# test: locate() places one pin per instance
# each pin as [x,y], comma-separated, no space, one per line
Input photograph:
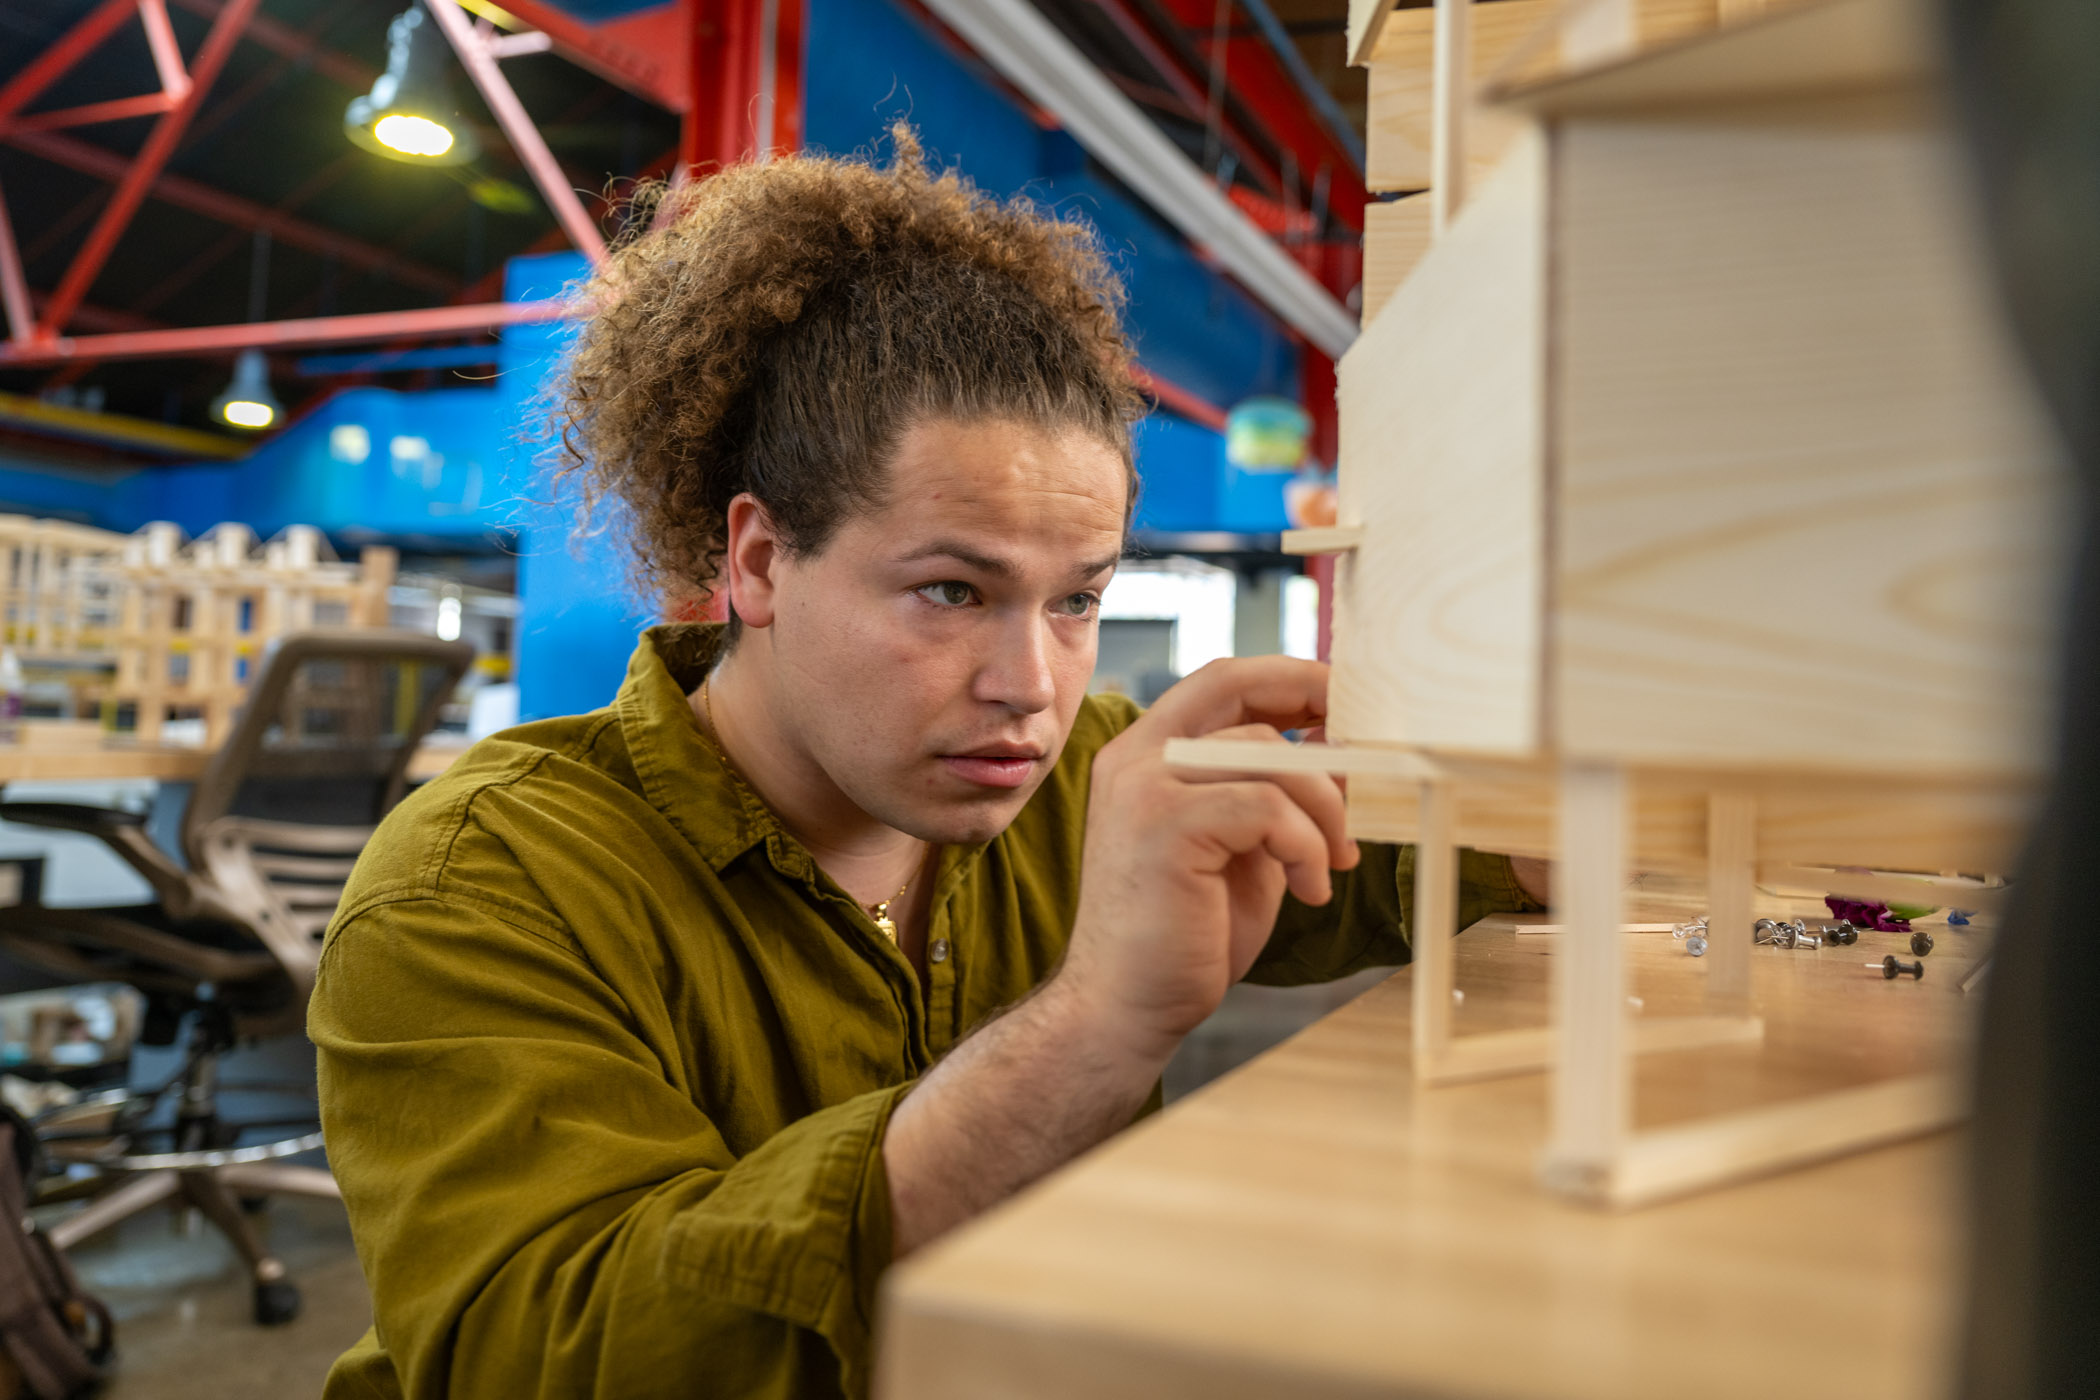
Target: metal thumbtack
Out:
[1765,931]
[1840,934]
[1694,936]
[1893,967]
[1920,942]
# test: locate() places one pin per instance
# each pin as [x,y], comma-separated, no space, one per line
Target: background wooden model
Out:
[1696,519]
[177,628]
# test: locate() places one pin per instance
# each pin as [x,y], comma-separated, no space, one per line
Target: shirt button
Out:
[938,951]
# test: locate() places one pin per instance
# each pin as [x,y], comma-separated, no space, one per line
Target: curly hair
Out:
[786,323]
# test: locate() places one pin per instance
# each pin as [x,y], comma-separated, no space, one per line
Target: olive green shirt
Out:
[606,1060]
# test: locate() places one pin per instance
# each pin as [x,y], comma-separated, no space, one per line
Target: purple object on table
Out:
[1864,913]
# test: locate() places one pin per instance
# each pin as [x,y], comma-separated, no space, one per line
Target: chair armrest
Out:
[71,816]
[125,834]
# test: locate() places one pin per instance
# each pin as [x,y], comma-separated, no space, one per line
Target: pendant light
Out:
[409,114]
[248,402]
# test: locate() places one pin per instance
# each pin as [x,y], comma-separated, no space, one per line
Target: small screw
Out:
[1893,967]
[1920,942]
[1695,944]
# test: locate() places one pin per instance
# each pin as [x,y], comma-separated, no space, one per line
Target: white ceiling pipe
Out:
[1014,38]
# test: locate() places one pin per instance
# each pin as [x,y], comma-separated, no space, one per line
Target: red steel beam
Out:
[282,335]
[55,62]
[185,193]
[518,125]
[167,54]
[14,290]
[286,42]
[116,109]
[131,190]
[601,49]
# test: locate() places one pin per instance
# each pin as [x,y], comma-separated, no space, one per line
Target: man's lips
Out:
[996,768]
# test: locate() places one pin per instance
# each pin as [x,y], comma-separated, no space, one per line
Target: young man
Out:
[649,1037]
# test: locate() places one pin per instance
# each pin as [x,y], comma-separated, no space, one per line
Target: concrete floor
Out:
[182,1306]
[181,1302]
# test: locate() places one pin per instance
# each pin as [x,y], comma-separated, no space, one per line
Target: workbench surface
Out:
[1313,1225]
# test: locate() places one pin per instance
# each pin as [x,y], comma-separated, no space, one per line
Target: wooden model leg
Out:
[1731,860]
[1593,1080]
[1452,94]
[1436,920]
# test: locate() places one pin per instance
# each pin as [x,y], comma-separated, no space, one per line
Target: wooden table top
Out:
[115,760]
[1315,1226]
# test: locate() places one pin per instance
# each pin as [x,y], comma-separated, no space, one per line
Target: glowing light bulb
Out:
[245,413]
[414,136]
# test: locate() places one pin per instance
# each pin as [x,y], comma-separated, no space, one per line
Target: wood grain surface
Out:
[1437,633]
[1316,1226]
[1807,511]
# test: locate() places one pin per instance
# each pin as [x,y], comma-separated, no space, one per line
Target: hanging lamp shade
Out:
[409,113]
[248,402]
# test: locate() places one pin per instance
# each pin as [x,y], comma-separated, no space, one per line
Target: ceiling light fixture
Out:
[248,402]
[409,114]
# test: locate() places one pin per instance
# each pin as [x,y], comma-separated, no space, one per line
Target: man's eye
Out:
[949,594]
[1080,605]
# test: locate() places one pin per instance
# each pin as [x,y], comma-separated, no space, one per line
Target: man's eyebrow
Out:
[991,564]
[962,554]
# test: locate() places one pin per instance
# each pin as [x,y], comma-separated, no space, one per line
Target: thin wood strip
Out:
[1669,1162]
[1256,756]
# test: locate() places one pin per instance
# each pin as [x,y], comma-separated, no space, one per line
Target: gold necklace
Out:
[880,913]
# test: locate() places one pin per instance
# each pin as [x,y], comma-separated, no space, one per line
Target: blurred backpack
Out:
[54,1337]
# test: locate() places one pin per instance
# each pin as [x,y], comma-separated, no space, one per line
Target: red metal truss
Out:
[517,124]
[131,190]
[202,199]
[58,60]
[281,335]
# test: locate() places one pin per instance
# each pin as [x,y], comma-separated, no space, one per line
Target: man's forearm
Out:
[1022,1096]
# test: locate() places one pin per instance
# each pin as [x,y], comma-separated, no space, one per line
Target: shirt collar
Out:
[687,778]
[682,773]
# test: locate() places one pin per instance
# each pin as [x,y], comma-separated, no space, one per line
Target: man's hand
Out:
[1184,871]
[1183,876]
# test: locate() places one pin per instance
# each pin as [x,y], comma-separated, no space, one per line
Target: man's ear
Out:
[751,561]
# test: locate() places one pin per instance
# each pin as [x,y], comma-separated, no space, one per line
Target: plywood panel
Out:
[1398,132]
[1437,629]
[1397,137]
[1806,502]
[1396,235]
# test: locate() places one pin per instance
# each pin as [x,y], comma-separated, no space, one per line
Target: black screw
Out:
[1893,967]
[1920,942]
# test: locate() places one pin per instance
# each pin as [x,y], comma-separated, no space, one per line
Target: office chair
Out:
[230,944]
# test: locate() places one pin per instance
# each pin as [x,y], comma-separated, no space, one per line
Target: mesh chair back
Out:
[318,756]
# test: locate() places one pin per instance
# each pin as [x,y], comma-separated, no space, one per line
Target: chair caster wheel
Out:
[276,1303]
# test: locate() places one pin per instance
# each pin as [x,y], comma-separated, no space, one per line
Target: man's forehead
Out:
[1003,483]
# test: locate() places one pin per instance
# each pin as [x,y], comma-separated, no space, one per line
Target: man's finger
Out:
[1319,794]
[1242,819]
[1281,691]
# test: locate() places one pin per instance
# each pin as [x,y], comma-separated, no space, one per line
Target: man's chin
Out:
[960,823]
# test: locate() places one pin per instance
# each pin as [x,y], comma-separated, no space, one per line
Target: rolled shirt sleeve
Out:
[541,1210]
[1370,920]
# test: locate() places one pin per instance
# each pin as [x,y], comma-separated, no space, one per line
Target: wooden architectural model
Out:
[1694,518]
[161,628]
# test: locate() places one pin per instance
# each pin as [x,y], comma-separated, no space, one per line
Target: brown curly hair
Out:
[784,325]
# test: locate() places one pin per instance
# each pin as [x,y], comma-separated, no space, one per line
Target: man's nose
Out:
[1018,674]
